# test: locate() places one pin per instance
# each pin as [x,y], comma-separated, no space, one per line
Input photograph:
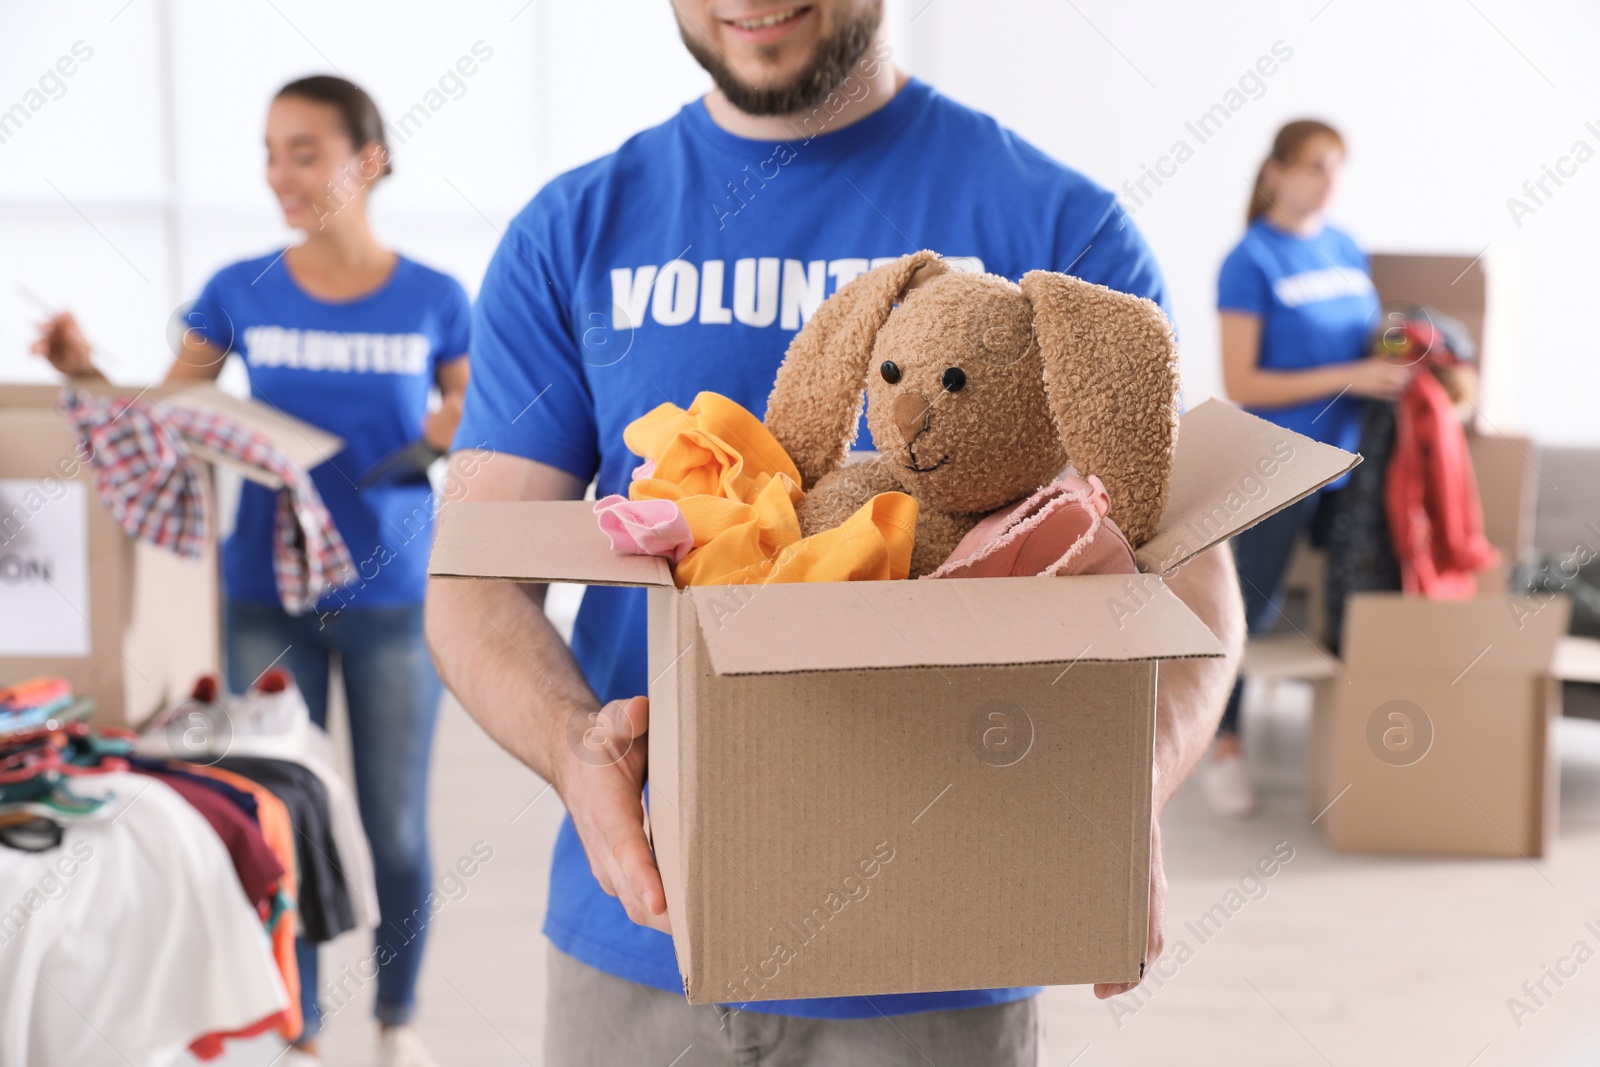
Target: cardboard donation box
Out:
[128,624]
[1430,735]
[904,786]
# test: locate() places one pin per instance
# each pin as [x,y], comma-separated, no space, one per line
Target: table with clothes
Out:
[153,886]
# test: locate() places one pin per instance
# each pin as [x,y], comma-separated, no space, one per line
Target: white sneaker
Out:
[273,706]
[401,1046]
[1226,783]
[299,1057]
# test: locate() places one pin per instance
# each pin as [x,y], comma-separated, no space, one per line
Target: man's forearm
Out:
[1191,693]
[502,658]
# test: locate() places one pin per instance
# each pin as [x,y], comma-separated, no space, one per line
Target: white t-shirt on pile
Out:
[134,937]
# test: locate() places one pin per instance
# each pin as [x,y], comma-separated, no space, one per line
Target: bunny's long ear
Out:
[815,407]
[1111,375]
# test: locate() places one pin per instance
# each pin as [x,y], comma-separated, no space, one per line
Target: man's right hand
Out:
[601,781]
[62,342]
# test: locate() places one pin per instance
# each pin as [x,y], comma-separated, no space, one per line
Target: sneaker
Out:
[204,699]
[1226,782]
[401,1046]
[299,1057]
[197,728]
[272,706]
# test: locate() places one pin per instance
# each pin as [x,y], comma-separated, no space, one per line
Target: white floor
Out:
[1344,960]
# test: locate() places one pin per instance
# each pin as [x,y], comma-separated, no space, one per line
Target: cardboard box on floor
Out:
[127,623]
[895,787]
[1431,734]
[1410,783]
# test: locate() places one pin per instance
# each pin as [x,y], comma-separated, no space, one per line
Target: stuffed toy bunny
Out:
[979,391]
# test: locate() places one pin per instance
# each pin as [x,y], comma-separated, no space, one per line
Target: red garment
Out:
[1431,498]
[254,861]
[210,1046]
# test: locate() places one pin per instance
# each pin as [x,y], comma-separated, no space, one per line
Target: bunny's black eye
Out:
[954,380]
[890,371]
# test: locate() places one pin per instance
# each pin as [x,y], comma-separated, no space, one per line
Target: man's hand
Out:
[601,781]
[1157,940]
[1189,702]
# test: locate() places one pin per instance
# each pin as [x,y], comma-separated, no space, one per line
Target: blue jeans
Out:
[393,694]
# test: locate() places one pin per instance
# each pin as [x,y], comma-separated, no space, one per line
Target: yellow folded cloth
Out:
[738,490]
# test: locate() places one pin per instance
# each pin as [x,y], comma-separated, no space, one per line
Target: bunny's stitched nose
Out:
[911,415]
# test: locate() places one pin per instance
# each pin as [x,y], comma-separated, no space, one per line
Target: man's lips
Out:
[768,27]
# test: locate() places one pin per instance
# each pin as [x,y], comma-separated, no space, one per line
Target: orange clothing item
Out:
[738,489]
[278,832]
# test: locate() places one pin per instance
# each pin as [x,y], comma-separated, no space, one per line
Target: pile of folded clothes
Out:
[39,701]
[211,841]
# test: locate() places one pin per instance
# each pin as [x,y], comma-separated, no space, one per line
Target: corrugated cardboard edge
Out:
[1214,498]
[957,622]
[673,668]
[535,541]
[1142,704]
[1546,809]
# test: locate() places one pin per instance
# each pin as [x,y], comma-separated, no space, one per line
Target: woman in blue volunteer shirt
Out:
[351,337]
[1297,308]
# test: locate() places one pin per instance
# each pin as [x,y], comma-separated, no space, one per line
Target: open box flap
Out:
[535,541]
[1462,638]
[304,444]
[958,622]
[1232,469]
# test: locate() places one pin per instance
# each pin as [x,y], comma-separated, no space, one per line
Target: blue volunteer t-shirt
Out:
[360,369]
[1317,306]
[687,260]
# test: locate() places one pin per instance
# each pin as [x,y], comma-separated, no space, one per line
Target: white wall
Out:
[1448,105]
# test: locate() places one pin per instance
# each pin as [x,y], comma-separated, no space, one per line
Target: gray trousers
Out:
[594,1019]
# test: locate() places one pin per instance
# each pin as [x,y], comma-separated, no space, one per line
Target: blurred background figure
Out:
[350,336]
[1297,308]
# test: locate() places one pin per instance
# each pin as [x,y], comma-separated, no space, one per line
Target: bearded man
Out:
[687,260]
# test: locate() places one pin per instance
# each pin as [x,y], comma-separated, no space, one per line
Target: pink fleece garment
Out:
[645,527]
[1061,529]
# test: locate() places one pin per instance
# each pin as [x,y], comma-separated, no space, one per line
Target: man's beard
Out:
[827,69]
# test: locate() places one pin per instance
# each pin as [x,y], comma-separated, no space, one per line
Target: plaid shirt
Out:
[155,489]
